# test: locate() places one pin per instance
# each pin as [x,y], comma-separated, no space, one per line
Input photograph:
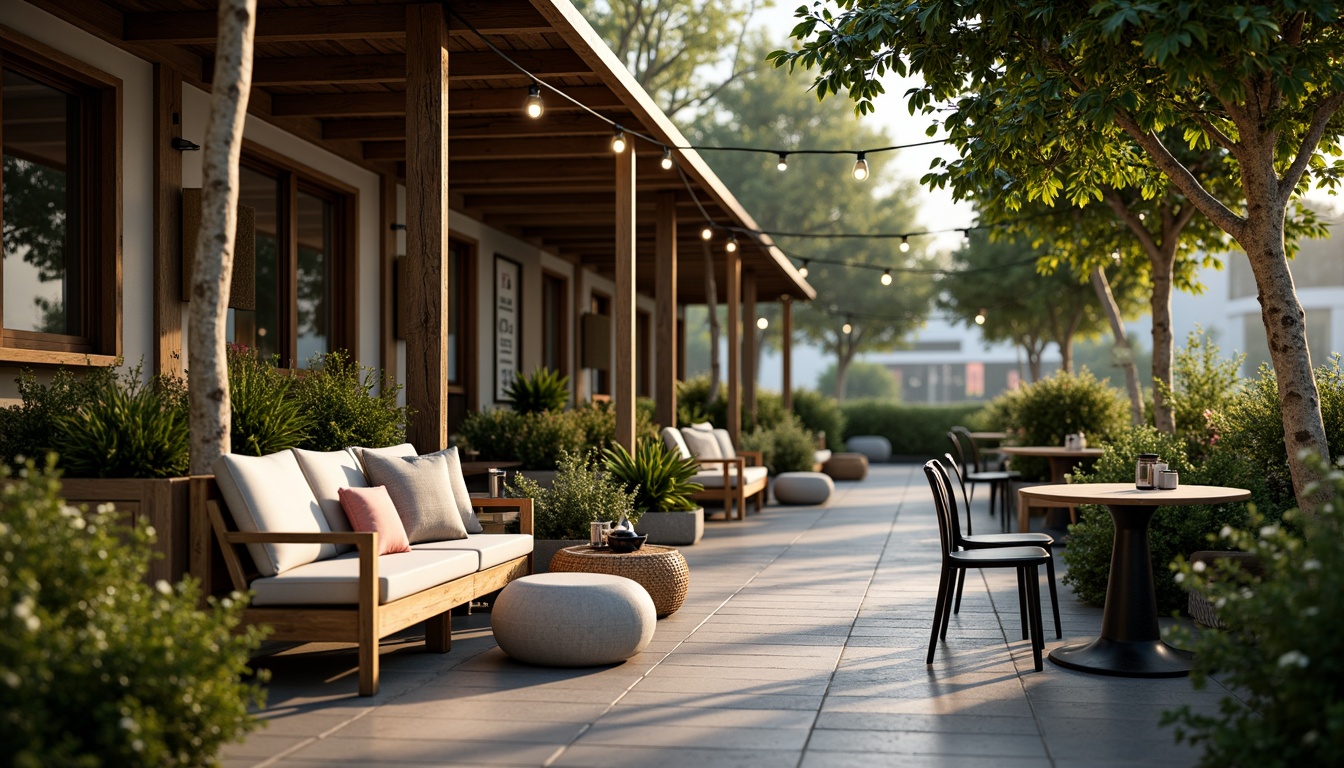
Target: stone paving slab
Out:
[801,644]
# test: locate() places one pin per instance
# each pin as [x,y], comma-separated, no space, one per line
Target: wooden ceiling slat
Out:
[339,104]
[303,70]
[597,148]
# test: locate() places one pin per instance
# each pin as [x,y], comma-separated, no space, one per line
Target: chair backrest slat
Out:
[951,462]
[972,450]
[940,504]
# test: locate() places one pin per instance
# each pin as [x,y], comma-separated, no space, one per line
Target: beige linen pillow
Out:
[421,492]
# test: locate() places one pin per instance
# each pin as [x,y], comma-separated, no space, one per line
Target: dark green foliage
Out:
[1174,531]
[693,406]
[820,413]
[98,668]
[579,495]
[1251,425]
[1044,412]
[863,380]
[544,390]
[28,430]
[126,428]
[1206,383]
[536,439]
[264,417]
[1283,652]
[345,406]
[786,447]
[918,431]
[659,477]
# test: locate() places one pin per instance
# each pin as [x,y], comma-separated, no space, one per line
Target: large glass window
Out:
[600,304]
[53,160]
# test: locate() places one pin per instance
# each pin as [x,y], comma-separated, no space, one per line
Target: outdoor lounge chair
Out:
[736,477]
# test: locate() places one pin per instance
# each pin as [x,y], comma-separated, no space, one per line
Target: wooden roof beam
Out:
[469,127]
[335,70]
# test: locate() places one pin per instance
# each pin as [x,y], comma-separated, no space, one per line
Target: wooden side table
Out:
[662,571]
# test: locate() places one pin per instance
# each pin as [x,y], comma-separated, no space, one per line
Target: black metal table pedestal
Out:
[1131,642]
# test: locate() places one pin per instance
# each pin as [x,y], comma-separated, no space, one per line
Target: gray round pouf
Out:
[803,488]
[876,447]
[573,619]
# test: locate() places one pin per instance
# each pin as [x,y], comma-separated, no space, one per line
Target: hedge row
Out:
[915,431]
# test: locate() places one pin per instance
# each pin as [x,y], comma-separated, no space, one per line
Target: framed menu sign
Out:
[508,278]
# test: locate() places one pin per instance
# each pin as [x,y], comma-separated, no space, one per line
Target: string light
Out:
[802,271]
[533,105]
[762,323]
[667,159]
[707,233]
[731,247]
[861,168]
[847,328]
[980,317]
[1115,256]
[965,238]
[905,243]
[783,163]
[886,277]
[618,141]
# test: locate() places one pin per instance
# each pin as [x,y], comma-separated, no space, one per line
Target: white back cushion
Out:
[702,443]
[672,439]
[725,444]
[404,449]
[328,472]
[268,494]
[703,426]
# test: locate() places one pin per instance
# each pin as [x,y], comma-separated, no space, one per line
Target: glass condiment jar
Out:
[1145,471]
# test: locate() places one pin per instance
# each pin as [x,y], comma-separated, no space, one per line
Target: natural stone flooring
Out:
[801,644]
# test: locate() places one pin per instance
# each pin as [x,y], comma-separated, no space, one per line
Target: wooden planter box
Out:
[164,504]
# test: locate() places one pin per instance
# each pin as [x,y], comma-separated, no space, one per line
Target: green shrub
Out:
[579,495]
[1283,651]
[1044,412]
[126,428]
[1206,382]
[863,381]
[28,430]
[1174,531]
[97,667]
[914,430]
[596,426]
[538,440]
[265,418]
[544,390]
[693,405]
[658,476]
[787,447]
[346,405]
[820,413]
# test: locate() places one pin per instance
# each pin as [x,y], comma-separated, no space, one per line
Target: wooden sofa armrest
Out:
[728,464]
[757,458]
[524,507]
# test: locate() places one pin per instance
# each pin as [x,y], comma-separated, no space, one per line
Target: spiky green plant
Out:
[545,390]
[660,478]
[126,428]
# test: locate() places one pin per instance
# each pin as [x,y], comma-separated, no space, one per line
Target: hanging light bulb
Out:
[802,271]
[762,323]
[886,277]
[1115,256]
[667,159]
[731,247]
[783,163]
[533,105]
[707,233]
[965,238]
[905,243]
[861,168]
[847,328]
[618,141]
[980,317]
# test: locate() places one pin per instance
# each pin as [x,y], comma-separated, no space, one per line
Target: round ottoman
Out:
[876,447]
[847,466]
[661,571]
[803,488]
[572,619]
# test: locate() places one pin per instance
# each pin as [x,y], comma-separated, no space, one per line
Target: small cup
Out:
[1168,480]
[1158,469]
[598,530]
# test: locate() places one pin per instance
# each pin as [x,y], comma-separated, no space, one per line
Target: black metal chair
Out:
[995,540]
[1026,560]
[999,482]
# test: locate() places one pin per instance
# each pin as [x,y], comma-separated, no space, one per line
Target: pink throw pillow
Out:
[371,509]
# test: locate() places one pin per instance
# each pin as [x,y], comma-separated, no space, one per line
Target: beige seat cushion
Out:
[492,548]
[270,494]
[713,478]
[328,472]
[336,581]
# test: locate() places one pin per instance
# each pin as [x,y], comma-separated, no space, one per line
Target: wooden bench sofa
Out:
[730,476]
[355,596]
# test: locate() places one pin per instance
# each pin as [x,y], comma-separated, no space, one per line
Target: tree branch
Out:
[1117,204]
[1310,141]
[1219,138]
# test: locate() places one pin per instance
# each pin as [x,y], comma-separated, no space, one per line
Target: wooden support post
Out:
[387,287]
[786,348]
[167,221]
[623,395]
[734,287]
[750,355]
[427,226]
[665,366]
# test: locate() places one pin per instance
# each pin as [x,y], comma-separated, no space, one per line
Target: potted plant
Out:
[662,483]
[579,496]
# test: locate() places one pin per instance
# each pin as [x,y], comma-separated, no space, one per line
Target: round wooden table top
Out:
[1125,494]
[1048,451]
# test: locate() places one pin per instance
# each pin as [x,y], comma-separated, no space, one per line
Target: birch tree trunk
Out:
[207,372]
[712,303]
[1103,288]
[1163,262]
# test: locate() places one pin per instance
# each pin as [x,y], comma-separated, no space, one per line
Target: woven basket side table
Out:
[662,571]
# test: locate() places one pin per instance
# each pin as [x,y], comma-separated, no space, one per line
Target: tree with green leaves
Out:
[1125,80]
[864,380]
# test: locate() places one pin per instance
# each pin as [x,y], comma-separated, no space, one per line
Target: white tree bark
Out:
[207,372]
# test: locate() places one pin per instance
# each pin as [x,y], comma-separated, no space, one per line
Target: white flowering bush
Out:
[97,668]
[1283,651]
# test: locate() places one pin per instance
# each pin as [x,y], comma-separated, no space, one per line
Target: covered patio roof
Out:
[334,72]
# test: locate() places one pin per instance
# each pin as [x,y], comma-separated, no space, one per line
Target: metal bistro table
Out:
[1062,461]
[1131,643]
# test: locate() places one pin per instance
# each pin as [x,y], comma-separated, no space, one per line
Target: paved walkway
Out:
[801,643]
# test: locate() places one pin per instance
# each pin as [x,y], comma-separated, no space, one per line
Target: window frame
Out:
[559,319]
[98,134]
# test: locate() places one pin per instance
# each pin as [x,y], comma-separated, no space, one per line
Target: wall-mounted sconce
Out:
[397,227]
[184,145]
